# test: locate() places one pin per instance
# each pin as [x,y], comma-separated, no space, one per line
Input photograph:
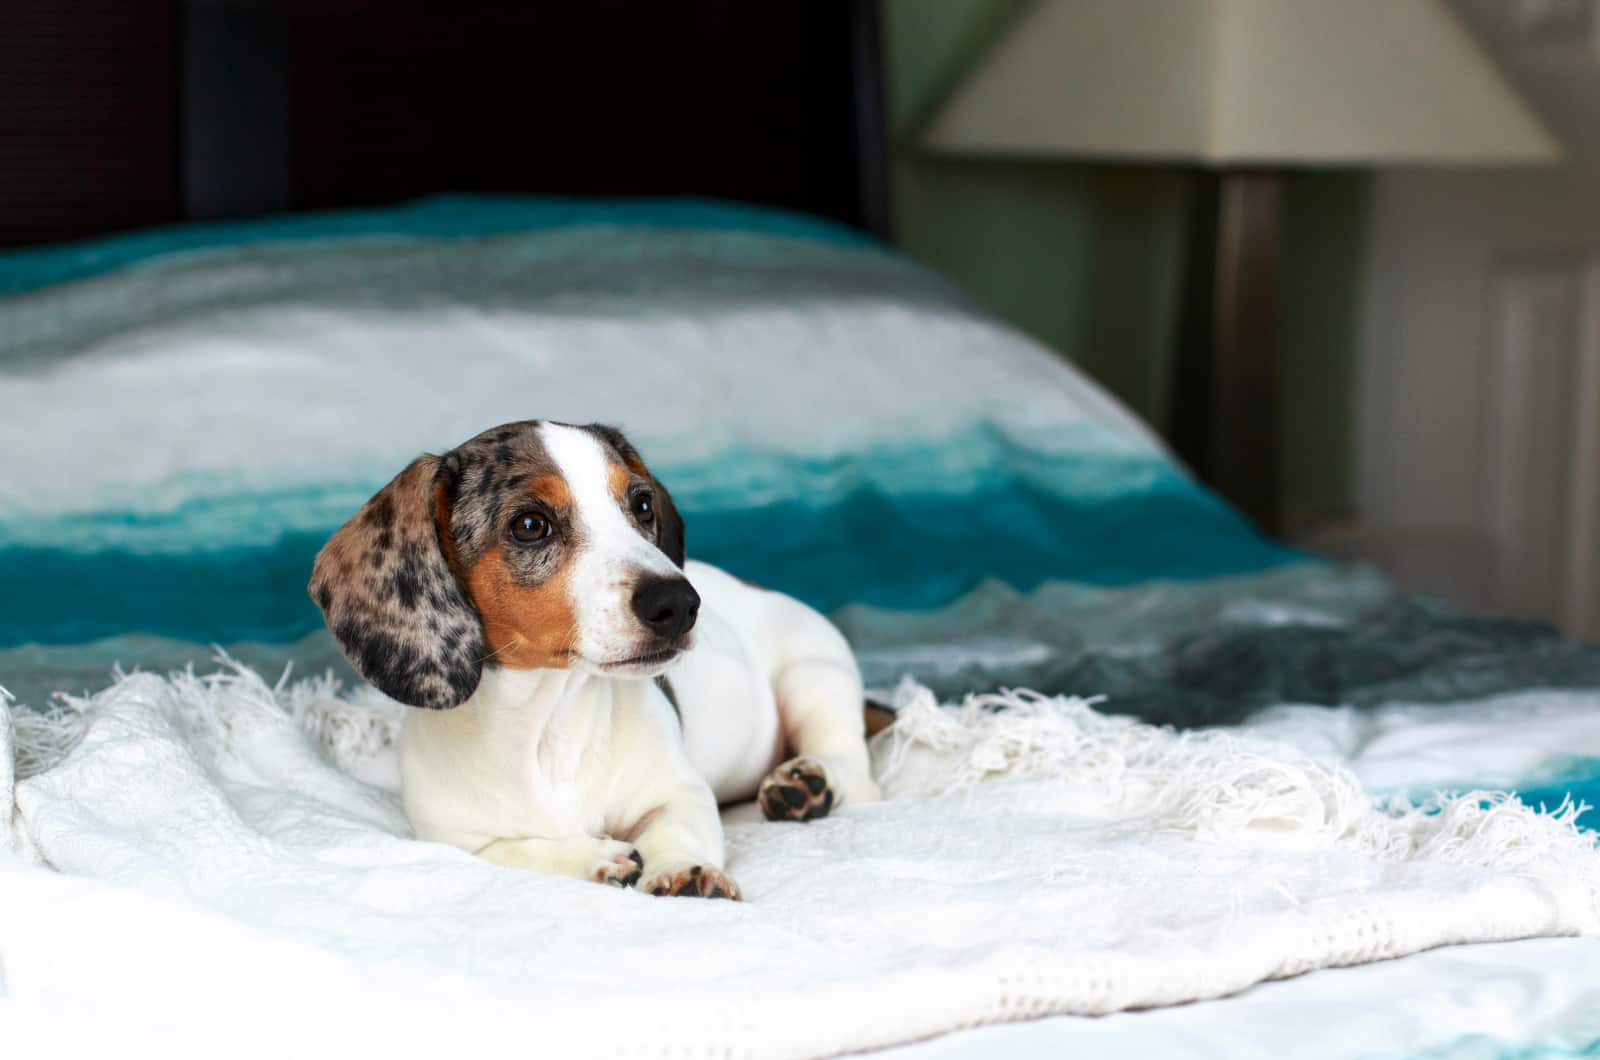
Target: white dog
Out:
[586,698]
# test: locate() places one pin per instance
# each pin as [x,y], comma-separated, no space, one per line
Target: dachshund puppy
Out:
[584,697]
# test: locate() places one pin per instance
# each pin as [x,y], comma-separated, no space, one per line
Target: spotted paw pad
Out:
[623,870]
[697,881]
[798,790]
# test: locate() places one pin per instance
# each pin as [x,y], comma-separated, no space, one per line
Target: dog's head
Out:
[533,546]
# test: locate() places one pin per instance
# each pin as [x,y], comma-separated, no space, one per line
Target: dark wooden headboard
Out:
[117,114]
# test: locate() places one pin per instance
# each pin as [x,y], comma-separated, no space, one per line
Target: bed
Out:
[833,421]
[1239,776]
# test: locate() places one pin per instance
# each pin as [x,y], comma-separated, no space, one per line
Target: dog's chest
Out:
[561,761]
[512,763]
[730,720]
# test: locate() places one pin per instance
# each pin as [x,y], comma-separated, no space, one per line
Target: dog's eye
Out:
[643,506]
[530,527]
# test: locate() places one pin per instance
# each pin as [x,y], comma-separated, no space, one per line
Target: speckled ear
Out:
[388,593]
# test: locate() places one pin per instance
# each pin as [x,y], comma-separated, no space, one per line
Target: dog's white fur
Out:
[570,771]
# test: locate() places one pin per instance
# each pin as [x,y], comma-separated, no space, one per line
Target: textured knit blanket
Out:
[217,866]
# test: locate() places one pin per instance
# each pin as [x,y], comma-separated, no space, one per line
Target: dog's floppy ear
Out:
[671,536]
[388,593]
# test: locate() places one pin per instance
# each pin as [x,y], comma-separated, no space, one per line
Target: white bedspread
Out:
[234,878]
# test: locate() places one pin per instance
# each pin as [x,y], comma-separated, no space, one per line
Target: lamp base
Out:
[1224,421]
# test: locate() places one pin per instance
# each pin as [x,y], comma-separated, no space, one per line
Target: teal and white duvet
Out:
[187,429]
[187,415]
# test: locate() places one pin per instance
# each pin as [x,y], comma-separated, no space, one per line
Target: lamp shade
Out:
[1241,82]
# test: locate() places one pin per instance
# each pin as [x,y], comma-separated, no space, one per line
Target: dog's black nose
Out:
[667,606]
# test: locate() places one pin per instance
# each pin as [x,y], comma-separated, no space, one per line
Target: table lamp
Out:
[1242,89]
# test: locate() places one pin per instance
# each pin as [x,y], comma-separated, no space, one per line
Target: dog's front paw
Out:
[696,881]
[798,790]
[618,864]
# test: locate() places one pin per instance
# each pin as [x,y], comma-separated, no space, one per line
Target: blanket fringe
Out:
[1217,784]
[1214,784]
[349,730]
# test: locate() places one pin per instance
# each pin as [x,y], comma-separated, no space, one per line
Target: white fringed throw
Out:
[234,878]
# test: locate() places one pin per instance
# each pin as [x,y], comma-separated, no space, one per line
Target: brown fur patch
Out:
[878,718]
[525,627]
[618,477]
[553,490]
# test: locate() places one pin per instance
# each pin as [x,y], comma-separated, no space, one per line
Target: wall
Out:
[1088,258]
[1480,335]
[1082,257]
[236,131]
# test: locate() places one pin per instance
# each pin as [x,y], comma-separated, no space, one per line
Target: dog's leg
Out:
[681,840]
[597,858]
[820,707]
[659,803]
